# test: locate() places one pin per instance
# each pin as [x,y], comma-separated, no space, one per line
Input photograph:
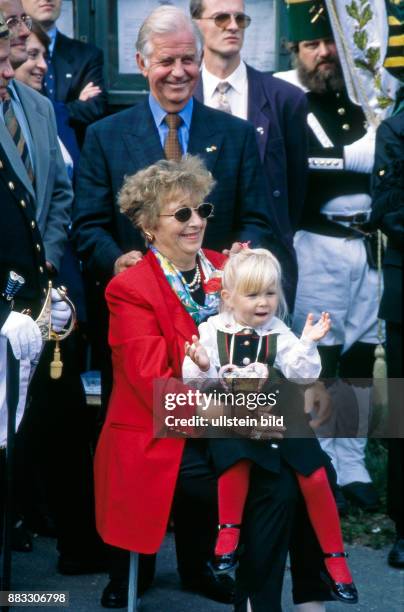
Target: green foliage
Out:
[373,55]
[360,39]
[384,101]
[353,10]
[365,17]
[363,65]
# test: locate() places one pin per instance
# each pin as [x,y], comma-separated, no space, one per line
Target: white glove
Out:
[23,334]
[360,155]
[60,311]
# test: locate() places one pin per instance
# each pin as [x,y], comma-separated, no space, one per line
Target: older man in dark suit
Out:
[276,109]
[168,124]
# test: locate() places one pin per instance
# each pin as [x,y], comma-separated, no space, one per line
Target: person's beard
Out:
[321,81]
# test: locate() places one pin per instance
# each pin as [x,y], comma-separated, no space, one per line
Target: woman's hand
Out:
[126,261]
[316,331]
[89,91]
[198,354]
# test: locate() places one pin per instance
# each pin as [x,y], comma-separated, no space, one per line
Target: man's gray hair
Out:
[166,19]
[196,8]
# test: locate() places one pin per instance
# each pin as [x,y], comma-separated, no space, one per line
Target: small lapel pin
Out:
[211,149]
[260,130]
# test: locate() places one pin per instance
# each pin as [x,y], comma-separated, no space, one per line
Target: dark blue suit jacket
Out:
[278,112]
[124,143]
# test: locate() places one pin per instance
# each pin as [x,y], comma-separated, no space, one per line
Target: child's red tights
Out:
[232,492]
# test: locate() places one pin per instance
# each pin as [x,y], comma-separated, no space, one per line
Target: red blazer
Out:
[135,474]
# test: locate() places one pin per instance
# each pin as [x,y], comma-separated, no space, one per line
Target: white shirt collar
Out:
[237,79]
[225,322]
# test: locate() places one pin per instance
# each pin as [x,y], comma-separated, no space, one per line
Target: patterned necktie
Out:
[16,134]
[49,82]
[223,102]
[172,147]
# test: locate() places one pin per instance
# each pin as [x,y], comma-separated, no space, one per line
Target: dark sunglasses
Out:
[222,20]
[184,214]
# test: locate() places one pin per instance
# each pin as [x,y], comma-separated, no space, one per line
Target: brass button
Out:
[247,332]
[341,111]
[45,292]
[346,127]
[38,247]
[382,172]
[41,269]
[246,361]
[1,164]
[23,204]
[11,185]
[33,224]
[246,343]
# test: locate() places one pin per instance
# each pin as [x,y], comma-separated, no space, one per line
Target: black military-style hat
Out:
[308,20]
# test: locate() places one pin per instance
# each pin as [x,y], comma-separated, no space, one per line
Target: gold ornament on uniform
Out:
[318,12]
[44,322]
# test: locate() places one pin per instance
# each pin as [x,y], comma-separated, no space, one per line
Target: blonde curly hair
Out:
[144,194]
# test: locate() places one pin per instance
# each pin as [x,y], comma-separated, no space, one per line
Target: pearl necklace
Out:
[195,282]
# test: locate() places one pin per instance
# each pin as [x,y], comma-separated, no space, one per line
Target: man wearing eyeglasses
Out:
[277,110]
[42,171]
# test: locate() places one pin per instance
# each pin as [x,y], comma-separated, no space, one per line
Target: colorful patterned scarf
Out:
[179,286]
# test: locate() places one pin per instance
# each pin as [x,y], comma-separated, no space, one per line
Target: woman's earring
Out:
[149,236]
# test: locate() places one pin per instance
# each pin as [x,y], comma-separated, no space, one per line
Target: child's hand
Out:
[316,331]
[198,354]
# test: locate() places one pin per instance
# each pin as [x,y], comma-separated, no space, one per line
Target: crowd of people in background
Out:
[217,160]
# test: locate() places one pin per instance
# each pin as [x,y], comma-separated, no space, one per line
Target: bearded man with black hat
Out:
[334,253]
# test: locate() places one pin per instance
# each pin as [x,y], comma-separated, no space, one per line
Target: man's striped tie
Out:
[15,130]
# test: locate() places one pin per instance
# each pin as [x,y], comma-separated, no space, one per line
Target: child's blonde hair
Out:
[251,271]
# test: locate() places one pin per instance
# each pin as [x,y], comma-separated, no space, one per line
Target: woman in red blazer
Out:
[155,307]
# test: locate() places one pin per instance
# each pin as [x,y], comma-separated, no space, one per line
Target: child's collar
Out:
[226,323]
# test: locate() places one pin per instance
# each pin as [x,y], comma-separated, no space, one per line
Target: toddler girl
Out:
[247,335]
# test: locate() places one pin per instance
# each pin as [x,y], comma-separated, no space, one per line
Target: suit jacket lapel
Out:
[63,64]
[258,110]
[198,92]
[14,157]
[206,134]
[142,138]
[39,128]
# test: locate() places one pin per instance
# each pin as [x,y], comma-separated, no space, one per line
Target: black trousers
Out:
[55,458]
[395,470]
[267,524]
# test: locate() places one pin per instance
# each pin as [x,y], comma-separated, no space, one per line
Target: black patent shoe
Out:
[341,591]
[21,540]
[228,562]
[115,595]
[213,586]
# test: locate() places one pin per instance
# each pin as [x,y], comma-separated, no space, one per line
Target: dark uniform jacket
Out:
[388,211]
[21,248]
[343,123]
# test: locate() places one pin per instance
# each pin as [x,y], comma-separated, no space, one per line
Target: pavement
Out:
[381,588]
